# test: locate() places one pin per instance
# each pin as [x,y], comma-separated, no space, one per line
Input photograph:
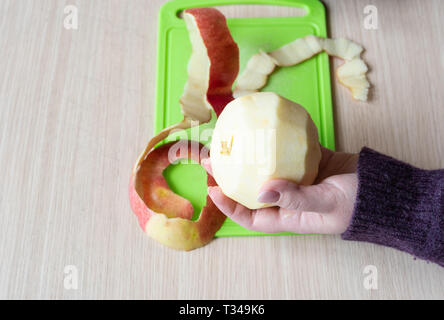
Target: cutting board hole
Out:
[257,11]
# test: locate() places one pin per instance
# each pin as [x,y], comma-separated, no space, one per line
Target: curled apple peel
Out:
[342,48]
[352,74]
[164,215]
[212,69]
[213,65]
[302,49]
[297,51]
[258,68]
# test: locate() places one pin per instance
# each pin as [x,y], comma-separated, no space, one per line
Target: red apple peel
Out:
[164,215]
[213,67]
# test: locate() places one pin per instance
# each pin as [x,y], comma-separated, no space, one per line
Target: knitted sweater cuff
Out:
[399,206]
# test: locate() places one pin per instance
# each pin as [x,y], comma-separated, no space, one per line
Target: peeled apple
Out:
[259,137]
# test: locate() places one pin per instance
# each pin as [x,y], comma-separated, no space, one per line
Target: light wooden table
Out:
[77,108]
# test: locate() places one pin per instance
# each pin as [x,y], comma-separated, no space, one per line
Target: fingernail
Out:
[269,197]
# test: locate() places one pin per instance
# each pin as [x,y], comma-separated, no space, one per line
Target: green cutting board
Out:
[307,83]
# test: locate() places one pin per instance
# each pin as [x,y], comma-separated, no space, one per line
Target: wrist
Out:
[398,205]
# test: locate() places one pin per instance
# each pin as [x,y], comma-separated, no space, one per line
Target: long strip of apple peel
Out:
[352,74]
[186,123]
[297,51]
[165,216]
[261,65]
[342,48]
[255,75]
[194,101]
[212,69]
[213,66]
[300,50]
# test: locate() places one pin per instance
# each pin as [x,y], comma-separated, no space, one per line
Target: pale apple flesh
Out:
[253,79]
[260,137]
[297,51]
[255,75]
[342,48]
[352,74]
[213,67]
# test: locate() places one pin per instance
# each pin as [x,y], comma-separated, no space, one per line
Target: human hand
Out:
[324,207]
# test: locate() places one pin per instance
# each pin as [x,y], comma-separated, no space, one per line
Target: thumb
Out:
[288,195]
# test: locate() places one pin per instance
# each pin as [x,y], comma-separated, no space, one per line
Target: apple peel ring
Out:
[352,74]
[164,215]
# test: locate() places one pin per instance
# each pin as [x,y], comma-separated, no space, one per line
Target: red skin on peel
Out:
[224,64]
[162,214]
[156,197]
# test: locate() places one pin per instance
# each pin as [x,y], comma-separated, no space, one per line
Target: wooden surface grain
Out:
[77,108]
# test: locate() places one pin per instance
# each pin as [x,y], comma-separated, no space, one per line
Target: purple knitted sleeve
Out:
[399,206]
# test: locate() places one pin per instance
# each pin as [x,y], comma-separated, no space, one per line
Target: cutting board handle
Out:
[311,7]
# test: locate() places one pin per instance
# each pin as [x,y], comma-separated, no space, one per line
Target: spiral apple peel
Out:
[213,67]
